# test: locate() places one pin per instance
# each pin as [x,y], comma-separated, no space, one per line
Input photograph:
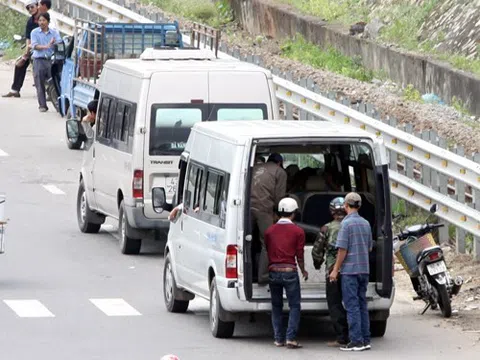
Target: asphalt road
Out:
[66,295]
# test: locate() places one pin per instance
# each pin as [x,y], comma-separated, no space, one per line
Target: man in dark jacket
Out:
[21,71]
[269,186]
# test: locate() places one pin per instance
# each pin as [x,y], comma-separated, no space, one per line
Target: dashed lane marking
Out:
[115,307]
[3,153]
[53,189]
[28,308]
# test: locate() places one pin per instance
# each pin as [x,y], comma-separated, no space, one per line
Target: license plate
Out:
[171,185]
[436,268]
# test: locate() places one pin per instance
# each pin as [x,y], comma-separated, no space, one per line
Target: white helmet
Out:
[170,357]
[287,205]
[31,2]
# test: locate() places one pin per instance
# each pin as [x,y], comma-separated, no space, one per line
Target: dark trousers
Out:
[41,73]
[291,283]
[19,76]
[336,309]
[263,221]
[354,292]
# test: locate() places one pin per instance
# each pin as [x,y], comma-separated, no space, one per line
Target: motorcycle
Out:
[53,83]
[425,263]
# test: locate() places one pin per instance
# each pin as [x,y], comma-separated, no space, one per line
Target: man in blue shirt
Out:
[354,243]
[43,43]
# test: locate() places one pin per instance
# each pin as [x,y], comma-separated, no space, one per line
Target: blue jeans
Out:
[291,283]
[354,293]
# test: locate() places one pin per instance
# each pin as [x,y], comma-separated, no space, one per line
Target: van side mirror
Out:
[73,130]
[434,208]
[159,200]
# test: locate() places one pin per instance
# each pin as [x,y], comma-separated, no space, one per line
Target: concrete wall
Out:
[267,18]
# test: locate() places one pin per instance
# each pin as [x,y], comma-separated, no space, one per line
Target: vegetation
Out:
[214,13]
[328,59]
[412,94]
[403,21]
[12,23]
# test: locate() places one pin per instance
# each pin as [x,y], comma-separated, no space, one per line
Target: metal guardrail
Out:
[400,143]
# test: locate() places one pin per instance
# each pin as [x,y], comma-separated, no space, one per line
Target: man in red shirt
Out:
[285,244]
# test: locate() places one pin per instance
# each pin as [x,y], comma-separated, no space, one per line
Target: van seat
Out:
[316,208]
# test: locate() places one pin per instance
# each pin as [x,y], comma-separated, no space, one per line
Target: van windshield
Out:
[171,123]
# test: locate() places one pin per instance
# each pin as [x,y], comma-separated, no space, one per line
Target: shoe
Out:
[367,345]
[43,109]
[336,343]
[14,94]
[293,344]
[351,346]
[278,343]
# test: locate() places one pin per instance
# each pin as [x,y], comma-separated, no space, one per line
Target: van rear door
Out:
[171,112]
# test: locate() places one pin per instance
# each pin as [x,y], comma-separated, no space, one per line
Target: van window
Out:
[239,114]
[213,189]
[103,118]
[193,189]
[119,122]
[170,128]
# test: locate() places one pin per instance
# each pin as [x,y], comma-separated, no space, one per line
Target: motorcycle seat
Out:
[427,251]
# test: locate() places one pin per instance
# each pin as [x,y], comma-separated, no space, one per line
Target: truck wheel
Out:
[128,245]
[378,328]
[84,214]
[73,145]
[219,328]
[169,288]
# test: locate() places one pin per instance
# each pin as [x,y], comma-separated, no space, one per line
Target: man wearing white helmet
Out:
[285,242]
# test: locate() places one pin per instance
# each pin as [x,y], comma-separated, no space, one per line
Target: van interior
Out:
[316,175]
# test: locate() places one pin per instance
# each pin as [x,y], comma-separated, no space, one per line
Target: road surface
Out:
[67,295]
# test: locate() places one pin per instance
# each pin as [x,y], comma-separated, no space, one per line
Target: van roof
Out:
[145,68]
[239,131]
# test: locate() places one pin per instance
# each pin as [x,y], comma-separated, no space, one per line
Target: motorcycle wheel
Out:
[52,93]
[444,301]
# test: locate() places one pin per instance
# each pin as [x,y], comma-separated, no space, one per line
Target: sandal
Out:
[293,345]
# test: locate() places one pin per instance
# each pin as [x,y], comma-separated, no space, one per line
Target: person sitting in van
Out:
[92,112]
[324,248]
[269,185]
[285,244]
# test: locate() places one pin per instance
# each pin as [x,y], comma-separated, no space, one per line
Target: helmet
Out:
[31,2]
[170,357]
[287,205]
[336,206]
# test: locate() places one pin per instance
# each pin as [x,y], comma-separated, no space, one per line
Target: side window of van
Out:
[103,117]
[213,188]
[119,121]
[193,189]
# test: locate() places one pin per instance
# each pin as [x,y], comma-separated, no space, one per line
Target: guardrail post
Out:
[460,197]
[476,248]
[288,107]
[408,162]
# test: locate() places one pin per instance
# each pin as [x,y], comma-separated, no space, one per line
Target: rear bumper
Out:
[137,220]
[378,307]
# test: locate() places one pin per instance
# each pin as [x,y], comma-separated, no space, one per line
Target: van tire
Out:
[170,288]
[128,245]
[220,329]
[84,214]
[378,328]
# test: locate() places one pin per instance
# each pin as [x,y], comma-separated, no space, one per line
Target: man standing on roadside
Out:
[44,6]
[43,41]
[269,186]
[354,243]
[21,71]
[285,244]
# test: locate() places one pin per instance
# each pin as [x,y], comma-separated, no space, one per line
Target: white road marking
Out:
[3,153]
[29,308]
[115,307]
[53,189]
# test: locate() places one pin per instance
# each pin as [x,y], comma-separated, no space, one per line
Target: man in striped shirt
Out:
[354,242]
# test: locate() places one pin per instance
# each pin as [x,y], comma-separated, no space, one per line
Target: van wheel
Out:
[84,214]
[72,145]
[219,328]
[128,245]
[378,328]
[169,289]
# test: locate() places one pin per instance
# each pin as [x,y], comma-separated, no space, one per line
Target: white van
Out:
[211,249]
[146,109]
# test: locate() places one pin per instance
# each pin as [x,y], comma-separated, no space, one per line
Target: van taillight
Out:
[231,262]
[137,184]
